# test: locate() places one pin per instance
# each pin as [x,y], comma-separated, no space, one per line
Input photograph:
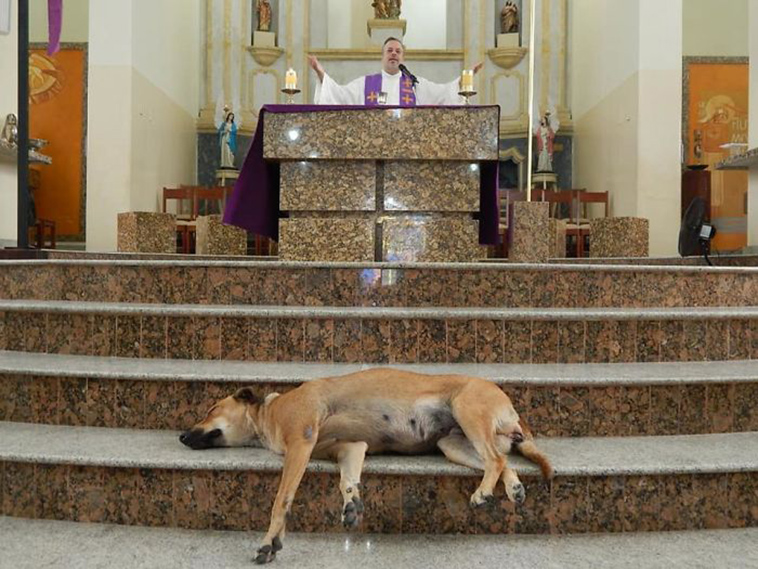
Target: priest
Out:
[395,85]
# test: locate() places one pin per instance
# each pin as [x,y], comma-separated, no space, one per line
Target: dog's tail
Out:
[529,450]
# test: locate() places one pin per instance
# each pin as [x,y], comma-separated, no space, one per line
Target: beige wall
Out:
[142,105]
[715,28]
[626,100]
[164,143]
[660,127]
[604,49]
[166,48]
[109,102]
[8,104]
[752,199]
[605,148]
[75,27]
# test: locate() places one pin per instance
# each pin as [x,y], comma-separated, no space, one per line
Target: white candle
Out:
[467,80]
[290,79]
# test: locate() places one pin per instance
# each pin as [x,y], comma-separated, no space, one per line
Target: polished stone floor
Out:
[33,544]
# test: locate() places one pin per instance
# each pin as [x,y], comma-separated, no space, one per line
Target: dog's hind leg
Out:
[458,449]
[350,457]
[295,461]
[475,417]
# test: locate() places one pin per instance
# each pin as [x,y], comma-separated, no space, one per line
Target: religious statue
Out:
[381,9]
[227,137]
[263,7]
[9,134]
[394,6]
[387,9]
[509,18]
[545,134]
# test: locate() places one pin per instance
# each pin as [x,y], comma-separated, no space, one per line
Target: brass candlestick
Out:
[290,95]
[466,95]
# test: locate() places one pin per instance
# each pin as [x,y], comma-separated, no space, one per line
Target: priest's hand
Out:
[477,67]
[316,66]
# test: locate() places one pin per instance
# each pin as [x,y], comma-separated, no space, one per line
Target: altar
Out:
[372,184]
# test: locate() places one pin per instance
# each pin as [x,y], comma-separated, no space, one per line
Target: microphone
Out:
[405,71]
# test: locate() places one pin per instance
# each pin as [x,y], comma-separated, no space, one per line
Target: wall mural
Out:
[57,94]
[716,124]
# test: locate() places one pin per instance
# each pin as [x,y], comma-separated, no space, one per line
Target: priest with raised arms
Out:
[394,86]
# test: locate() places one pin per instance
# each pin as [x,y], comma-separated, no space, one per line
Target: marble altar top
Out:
[386,133]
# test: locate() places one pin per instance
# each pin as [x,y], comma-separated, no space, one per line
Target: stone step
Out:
[555,399]
[330,334]
[601,485]
[45,543]
[377,284]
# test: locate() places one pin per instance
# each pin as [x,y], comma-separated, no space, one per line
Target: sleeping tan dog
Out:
[469,419]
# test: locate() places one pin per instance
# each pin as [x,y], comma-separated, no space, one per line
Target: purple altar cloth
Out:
[254,203]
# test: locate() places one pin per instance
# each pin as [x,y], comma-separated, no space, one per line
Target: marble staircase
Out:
[639,380]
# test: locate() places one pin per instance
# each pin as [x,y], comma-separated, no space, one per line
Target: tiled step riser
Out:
[549,410]
[352,340]
[314,286]
[241,500]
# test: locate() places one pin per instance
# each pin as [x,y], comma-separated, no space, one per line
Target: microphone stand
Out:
[405,71]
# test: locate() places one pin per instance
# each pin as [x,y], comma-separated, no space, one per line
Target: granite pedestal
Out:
[558,238]
[532,239]
[619,237]
[217,238]
[146,232]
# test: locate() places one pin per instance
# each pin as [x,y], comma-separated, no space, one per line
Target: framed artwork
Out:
[5,16]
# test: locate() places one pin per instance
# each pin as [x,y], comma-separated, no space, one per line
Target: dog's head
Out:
[229,423]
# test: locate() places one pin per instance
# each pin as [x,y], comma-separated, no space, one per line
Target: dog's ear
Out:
[246,395]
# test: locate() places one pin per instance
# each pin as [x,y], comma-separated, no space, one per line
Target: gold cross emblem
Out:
[372,96]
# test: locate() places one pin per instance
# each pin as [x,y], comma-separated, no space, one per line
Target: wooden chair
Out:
[566,198]
[206,197]
[183,195]
[202,197]
[583,219]
[38,230]
[502,228]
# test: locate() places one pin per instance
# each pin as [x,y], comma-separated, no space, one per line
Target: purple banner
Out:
[54,22]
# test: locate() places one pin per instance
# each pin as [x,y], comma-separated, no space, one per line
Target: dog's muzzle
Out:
[198,440]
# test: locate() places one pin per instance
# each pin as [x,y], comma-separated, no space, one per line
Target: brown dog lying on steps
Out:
[469,419]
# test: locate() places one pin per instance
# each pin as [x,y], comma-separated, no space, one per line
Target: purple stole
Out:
[373,86]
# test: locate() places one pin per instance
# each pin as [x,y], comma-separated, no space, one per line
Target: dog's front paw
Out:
[266,554]
[479,499]
[516,493]
[352,515]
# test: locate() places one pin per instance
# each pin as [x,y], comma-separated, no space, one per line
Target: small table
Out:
[545,179]
[225,174]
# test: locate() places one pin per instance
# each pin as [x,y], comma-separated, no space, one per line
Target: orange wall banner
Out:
[57,93]
[717,114]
